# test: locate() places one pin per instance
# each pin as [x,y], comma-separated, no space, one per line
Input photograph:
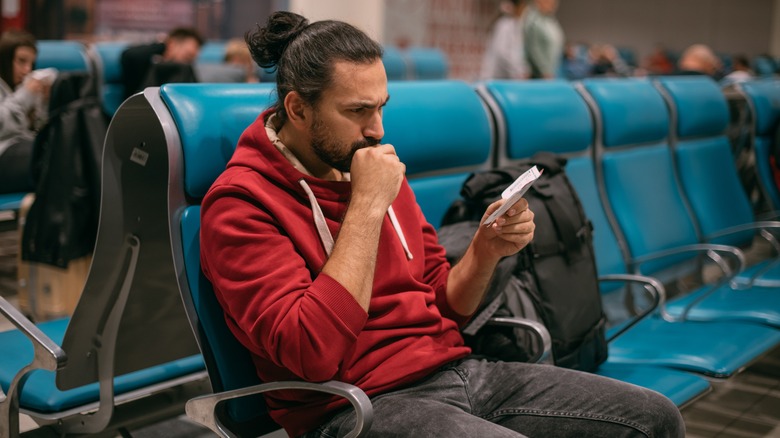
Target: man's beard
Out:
[332,152]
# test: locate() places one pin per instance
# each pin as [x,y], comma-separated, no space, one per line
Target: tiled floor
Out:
[745,406]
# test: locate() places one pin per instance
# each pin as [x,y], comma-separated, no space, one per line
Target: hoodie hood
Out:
[260,150]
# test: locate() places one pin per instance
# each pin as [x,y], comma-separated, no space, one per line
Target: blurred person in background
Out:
[505,54]
[699,59]
[178,52]
[658,62]
[740,70]
[544,39]
[23,100]
[237,54]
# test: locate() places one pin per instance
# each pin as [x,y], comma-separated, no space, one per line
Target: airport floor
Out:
[745,406]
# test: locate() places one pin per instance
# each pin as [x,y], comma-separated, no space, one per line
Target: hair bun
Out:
[268,43]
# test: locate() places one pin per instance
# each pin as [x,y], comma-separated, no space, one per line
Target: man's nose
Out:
[375,129]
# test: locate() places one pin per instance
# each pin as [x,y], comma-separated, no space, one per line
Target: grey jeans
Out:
[479,398]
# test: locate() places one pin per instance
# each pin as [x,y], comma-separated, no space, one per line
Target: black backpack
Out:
[553,280]
[62,222]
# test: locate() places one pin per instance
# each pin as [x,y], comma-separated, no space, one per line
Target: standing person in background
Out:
[22,109]
[544,39]
[505,54]
[181,46]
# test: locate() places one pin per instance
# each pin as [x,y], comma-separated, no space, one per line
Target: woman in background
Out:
[22,109]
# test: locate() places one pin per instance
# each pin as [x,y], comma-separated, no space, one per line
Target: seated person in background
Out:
[606,61]
[237,54]
[740,70]
[175,57]
[327,269]
[699,59]
[658,62]
[23,109]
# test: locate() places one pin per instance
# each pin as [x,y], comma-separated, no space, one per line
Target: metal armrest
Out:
[764,228]
[535,327]
[712,250]
[47,356]
[767,230]
[652,286]
[203,409]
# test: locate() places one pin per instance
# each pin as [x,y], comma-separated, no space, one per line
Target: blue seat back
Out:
[108,56]
[395,64]
[635,166]
[62,55]
[427,63]
[213,117]
[443,132]
[763,97]
[535,116]
[209,120]
[212,52]
[551,116]
[705,163]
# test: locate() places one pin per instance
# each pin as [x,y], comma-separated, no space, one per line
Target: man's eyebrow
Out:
[368,103]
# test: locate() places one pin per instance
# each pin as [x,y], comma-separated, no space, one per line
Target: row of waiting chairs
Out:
[103,58]
[666,352]
[624,139]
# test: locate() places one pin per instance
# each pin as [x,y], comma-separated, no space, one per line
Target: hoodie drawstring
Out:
[322,227]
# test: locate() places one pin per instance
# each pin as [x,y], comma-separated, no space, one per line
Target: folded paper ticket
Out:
[514,192]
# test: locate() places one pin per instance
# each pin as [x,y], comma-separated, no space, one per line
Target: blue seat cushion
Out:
[756,304]
[40,392]
[11,201]
[717,349]
[678,386]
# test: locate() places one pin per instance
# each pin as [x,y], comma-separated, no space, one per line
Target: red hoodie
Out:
[262,252]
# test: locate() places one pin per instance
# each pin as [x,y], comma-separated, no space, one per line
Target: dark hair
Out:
[304,54]
[181,33]
[9,42]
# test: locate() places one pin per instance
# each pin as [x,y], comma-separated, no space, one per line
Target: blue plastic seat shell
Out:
[40,393]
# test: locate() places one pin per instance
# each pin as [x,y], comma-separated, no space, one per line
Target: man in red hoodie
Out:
[327,269]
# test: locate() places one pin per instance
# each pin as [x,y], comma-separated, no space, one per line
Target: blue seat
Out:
[108,67]
[62,55]
[127,356]
[427,63]
[763,100]
[203,124]
[454,138]
[652,341]
[551,115]
[634,177]
[212,52]
[395,64]
[722,212]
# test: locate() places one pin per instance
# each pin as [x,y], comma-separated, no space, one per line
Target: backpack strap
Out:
[568,232]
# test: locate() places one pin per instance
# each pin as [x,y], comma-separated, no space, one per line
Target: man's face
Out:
[349,114]
[24,59]
[183,50]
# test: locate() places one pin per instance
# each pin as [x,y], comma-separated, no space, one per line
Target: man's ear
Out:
[296,108]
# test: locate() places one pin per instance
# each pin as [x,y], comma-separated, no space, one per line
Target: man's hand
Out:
[469,278]
[376,174]
[510,233]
